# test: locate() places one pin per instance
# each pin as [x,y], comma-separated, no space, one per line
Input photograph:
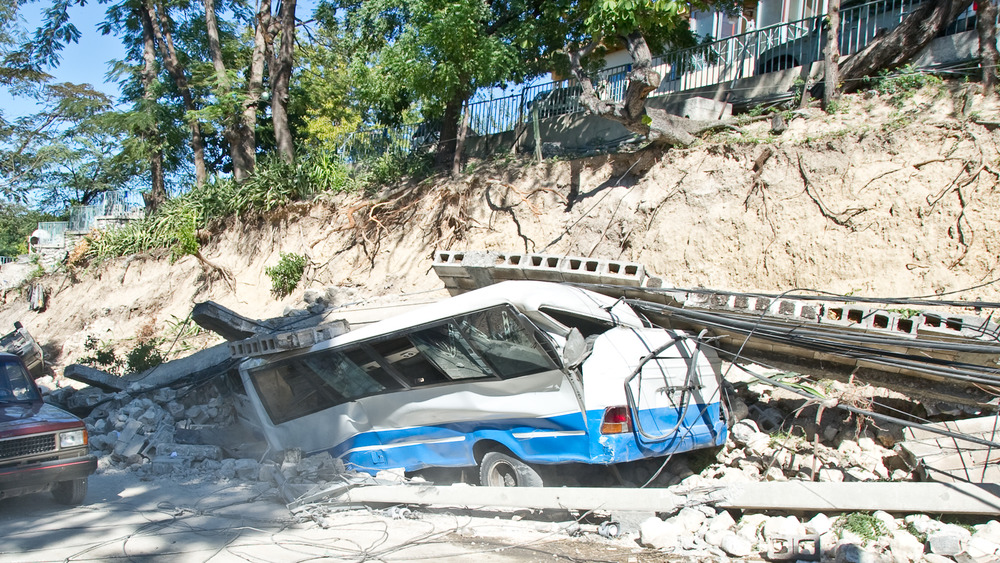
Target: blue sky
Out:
[82,63]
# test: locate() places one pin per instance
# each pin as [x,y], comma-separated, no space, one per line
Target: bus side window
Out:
[409,362]
[504,343]
[445,346]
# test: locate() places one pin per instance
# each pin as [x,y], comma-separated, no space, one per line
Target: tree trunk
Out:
[449,131]
[895,48]
[242,142]
[986,18]
[831,61]
[281,76]
[161,28]
[151,136]
[655,124]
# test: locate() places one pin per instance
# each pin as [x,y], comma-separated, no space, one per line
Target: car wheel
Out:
[502,470]
[70,492]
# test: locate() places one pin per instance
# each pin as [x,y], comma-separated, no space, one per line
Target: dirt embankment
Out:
[876,200]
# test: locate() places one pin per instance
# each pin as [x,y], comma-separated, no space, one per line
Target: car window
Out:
[15,385]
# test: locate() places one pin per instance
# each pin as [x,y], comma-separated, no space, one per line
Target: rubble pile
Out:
[876,537]
[159,431]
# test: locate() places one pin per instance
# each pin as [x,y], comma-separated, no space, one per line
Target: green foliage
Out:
[285,275]
[17,222]
[392,166]
[103,356]
[176,224]
[862,524]
[901,84]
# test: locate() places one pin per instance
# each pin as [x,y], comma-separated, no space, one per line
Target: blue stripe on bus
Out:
[561,439]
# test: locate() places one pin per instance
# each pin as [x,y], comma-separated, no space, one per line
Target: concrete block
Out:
[583,270]
[543,267]
[164,464]
[623,273]
[130,442]
[509,267]
[449,264]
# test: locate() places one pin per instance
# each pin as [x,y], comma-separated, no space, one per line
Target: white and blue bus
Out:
[513,375]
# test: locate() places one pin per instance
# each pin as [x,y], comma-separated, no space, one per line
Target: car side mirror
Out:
[575,350]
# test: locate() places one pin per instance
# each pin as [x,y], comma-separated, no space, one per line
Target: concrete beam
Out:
[790,496]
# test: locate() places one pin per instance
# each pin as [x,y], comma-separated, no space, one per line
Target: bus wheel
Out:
[501,470]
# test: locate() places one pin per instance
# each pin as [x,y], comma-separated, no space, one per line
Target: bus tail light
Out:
[616,421]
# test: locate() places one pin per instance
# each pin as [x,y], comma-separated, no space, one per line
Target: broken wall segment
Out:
[465,271]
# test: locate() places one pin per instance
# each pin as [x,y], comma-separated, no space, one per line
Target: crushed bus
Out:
[516,374]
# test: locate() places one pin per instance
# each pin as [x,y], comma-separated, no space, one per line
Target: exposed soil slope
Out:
[875,200]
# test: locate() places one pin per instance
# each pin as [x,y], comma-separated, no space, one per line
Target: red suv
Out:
[42,448]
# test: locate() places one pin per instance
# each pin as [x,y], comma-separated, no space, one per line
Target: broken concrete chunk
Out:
[189,451]
[904,547]
[735,545]
[247,468]
[658,534]
[130,442]
[86,398]
[948,540]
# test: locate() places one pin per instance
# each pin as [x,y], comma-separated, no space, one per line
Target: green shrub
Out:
[863,525]
[285,275]
[175,225]
[144,356]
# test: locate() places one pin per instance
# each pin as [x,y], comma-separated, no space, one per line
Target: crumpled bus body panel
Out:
[486,370]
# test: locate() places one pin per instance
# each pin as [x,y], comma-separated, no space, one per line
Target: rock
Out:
[742,431]
[854,553]
[819,524]
[830,433]
[858,474]
[775,474]
[658,534]
[922,523]
[748,526]
[736,545]
[175,409]
[247,468]
[787,526]
[165,395]
[722,521]
[198,414]
[85,398]
[101,426]
[934,558]
[831,475]
[714,537]
[760,444]
[151,417]
[981,550]
[227,468]
[688,519]
[886,519]
[738,409]
[948,540]
[989,531]
[905,548]
[311,296]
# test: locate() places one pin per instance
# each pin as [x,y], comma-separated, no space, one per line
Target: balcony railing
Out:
[764,50]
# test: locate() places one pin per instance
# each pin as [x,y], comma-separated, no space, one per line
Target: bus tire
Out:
[502,470]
